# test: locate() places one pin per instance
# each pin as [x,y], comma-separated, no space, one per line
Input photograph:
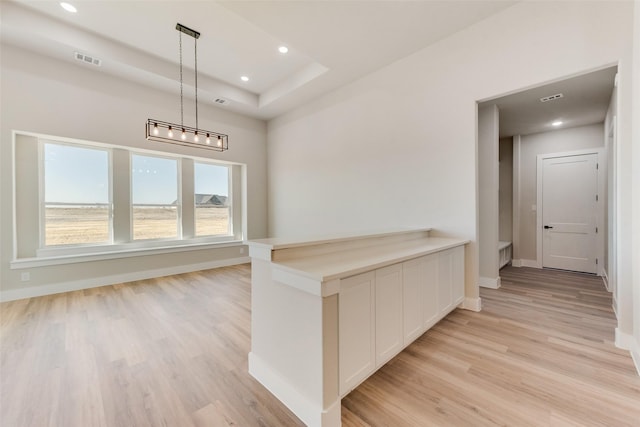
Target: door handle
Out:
[546,227]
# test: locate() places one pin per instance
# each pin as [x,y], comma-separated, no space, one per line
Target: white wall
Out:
[505,210]
[557,141]
[52,97]
[635,350]
[398,147]
[488,148]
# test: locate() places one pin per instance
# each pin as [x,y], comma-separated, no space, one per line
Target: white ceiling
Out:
[331,42]
[585,101]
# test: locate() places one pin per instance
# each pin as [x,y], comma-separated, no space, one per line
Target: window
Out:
[77,199]
[77,203]
[212,203]
[154,197]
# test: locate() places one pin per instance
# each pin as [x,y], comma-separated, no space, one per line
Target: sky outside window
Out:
[154,179]
[75,175]
[81,176]
[211,179]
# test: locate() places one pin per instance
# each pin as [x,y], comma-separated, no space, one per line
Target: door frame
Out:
[602,173]
[611,274]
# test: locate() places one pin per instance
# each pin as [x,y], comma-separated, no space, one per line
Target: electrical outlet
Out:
[25,277]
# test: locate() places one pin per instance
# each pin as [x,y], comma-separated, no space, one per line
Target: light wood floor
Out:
[539,354]
[173,352]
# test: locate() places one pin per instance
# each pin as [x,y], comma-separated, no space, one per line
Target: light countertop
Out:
[341,264]
[276,243]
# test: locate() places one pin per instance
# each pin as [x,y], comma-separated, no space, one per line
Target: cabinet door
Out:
[429,273]
[388,312]
[412,290]
[356,329]
[457,272]
[445,281]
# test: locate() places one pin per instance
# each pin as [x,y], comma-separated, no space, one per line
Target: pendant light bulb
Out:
[170,133]
[208,140]
[184,135]
[195,137]
[155,128]
[219,142]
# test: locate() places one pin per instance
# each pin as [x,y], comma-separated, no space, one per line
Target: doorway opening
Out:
[565,116]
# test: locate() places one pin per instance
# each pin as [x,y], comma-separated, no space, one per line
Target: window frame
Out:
[42,246]
[230,204]
[179,226]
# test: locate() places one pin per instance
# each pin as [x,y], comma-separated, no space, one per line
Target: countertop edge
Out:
[276,243]
[364,266]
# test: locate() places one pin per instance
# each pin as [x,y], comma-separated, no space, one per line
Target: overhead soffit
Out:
[330,43]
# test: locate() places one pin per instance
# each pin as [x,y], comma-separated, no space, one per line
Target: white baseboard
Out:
[56,288]
[605,279]
[487,282]
[635,355]
[624,340]
[311,414]
[525,263]
[473,304]
[628,342]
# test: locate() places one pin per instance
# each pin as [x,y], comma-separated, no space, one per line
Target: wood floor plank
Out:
[173,351]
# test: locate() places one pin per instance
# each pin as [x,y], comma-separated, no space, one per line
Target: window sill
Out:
[120,251]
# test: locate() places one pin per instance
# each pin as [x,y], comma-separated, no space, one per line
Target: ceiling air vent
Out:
[552,97]
[87,59]
[221,101]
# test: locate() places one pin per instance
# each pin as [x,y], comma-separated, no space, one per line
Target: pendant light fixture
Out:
[173,133]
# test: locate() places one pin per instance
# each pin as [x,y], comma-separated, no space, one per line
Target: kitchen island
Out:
[328,312]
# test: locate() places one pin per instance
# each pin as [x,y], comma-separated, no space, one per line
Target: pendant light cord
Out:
[195,55]
[181,101]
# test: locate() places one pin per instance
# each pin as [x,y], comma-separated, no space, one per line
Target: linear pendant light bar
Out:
[157,130]
[179,134]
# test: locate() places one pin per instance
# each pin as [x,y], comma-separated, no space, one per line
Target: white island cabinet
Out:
[327,313]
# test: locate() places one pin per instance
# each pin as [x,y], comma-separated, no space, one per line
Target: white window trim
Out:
[118,252]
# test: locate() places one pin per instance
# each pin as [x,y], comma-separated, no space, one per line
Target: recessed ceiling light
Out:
[283,49]
[556,123]
[244,78]
[68,7]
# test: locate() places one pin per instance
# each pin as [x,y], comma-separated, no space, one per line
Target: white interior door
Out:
[569,212]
